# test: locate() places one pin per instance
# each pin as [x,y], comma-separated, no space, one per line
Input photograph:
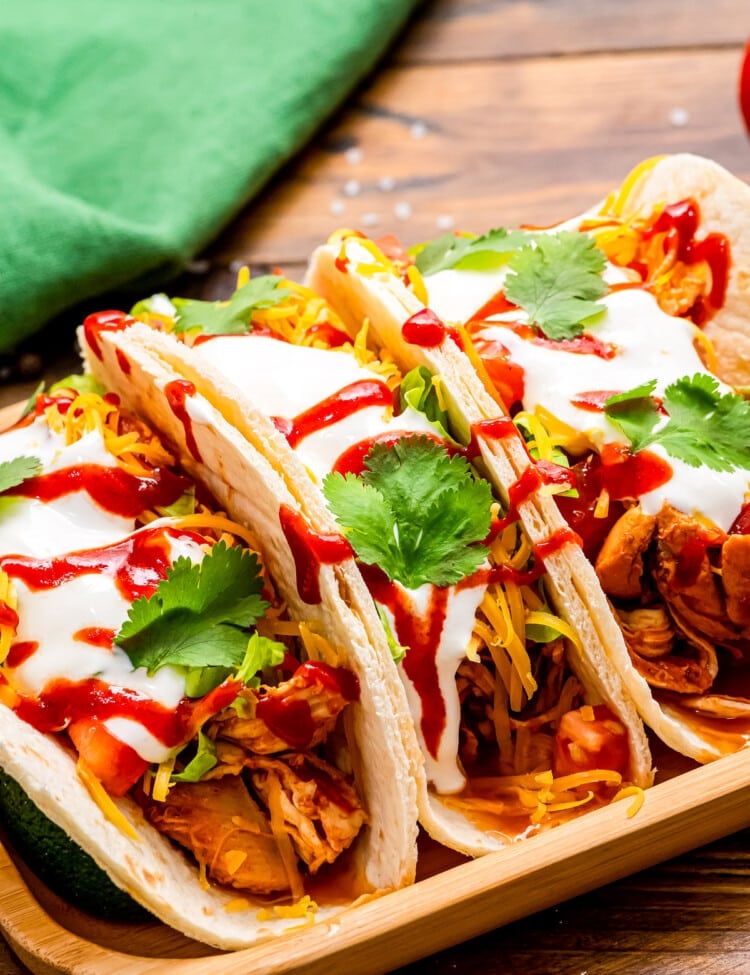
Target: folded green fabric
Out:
[132,131]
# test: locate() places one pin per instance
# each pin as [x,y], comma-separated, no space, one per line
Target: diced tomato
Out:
[581,745]
[741,524]
[744,90]
[579,512]
[115,764]
[333,337]
[393,249]
[506,375]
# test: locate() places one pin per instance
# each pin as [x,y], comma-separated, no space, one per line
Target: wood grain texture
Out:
[468,30]
[531,141]
[526,110]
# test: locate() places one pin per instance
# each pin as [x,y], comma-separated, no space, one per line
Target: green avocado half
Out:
[66,869]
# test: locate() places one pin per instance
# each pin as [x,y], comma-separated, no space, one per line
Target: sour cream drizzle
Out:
[649,345]
[76,567]
[312,394]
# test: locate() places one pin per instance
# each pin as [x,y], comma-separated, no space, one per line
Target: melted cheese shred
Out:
[104,801]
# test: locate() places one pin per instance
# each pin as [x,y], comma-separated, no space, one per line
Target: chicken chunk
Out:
[321,810]
[225,830]
[619,564]
[686,579]
[308,707]
[735,575]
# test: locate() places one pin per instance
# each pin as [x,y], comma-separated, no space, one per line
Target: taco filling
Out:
[591,335]
[514,733]
[139,628]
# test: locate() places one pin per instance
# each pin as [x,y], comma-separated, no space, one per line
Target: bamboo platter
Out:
[453,899]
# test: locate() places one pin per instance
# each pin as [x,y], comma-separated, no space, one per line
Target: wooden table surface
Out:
[487,113]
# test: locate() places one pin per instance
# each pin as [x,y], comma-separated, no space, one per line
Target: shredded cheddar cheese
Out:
[304,908]
[104,801]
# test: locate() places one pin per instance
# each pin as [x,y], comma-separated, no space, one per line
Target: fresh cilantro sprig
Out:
[704,425]
[229,317]
[558,281]
[472,253]
[199,615]
[16,471]
[416,512]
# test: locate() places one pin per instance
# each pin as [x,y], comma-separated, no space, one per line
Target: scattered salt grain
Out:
[352,187]
[199,266]
[337,207]
[679,117]
[236,266]
[387,184]
[370,220]
[445,221]
[418,130]
[402,210]
[354,155]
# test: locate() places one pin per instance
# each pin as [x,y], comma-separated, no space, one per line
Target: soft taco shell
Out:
[150,868]
[724,203]
[447,826]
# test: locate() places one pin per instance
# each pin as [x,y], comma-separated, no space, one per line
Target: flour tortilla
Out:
[724,203]
[152,870]
[257,436]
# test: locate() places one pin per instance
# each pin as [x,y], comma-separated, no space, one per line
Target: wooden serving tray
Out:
[453,900]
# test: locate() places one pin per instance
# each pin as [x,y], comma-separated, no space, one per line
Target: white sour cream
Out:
[285,380]
[650,345]
[442,769]
[74,521]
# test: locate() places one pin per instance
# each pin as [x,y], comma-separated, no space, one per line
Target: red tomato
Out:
[393,249]
[581,745]
[744,91]
[506,375]
[115,764]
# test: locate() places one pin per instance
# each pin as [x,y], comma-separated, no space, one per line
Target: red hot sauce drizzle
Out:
[680,222]
[421,634]
[137,563]
[177,393]
[426,330]
[104,321]
[310,550]
[291,719]
[63,702]
[334,408]
[112,488]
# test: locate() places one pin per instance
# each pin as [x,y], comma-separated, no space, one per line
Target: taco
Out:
[220,750]
[612,341]
[518,721]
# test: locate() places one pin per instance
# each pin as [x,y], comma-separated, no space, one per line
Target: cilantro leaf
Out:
[416,512]
[635,412]
[199,615]
[704,426]
[16,471]
[472,253]
[557,282]
[229,317]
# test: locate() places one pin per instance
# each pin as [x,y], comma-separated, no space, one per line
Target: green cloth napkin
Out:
[132,131]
